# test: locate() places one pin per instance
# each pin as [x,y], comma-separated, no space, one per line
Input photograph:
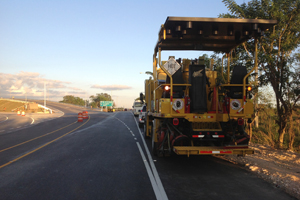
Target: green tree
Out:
[100,97]
[73,100]
[276,51]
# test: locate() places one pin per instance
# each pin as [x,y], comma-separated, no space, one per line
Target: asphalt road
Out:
[106,157]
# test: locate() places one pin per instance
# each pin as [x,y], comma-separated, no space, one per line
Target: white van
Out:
[137,107]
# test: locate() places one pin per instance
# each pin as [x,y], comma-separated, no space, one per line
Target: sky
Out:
[85,47]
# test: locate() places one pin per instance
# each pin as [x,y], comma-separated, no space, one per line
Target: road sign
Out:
[106,103]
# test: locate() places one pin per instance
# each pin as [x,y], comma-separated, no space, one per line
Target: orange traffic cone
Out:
[23,113]
[84,115]
[18,113]
[80,117]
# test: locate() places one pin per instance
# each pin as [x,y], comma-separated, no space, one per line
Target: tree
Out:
[73,100]
[276,54]
[100,97]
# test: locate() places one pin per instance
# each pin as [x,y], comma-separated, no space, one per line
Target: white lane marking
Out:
[160,187]
[50,118]
[151,177]
[32,120]
[2,130]
[5,119]
[158,181]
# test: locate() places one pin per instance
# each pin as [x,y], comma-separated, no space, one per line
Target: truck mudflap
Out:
[196,150]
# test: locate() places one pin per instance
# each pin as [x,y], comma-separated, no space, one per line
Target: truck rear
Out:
[191,108]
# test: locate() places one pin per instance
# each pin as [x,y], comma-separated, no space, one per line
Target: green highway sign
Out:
[106,103]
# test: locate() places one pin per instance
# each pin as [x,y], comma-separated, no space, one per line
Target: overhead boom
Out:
[208,34]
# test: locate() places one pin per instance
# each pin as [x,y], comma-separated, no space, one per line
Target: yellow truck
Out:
[189,110]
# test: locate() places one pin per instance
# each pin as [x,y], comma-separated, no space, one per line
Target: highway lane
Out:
[95,162]
[106,159]
[11,121]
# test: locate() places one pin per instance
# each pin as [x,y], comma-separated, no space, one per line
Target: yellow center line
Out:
[35,138]
[42,146]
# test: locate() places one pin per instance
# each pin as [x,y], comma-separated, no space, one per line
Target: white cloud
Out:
[111,87]
[31,84]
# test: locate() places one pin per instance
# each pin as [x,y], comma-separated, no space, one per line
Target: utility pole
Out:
[45,94]
[256,84]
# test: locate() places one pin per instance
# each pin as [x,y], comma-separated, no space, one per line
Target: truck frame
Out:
[189,111]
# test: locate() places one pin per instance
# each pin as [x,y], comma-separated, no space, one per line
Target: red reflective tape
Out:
[221,136]
[177,111]
[205,151]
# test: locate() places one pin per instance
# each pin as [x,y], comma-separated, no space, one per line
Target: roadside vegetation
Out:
[94,100]
[73,100]
[9,106]
[278,69]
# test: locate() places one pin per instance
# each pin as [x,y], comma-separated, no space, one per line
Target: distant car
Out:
[142,114]
[137,106]
[125,109]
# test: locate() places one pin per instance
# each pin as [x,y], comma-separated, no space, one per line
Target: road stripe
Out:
[155,173]
[163,195]
[32,120]
[42,146]
[36,138]
[5,119]
[151,177]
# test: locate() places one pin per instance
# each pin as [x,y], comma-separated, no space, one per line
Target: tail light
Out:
[175,121]
[240,121]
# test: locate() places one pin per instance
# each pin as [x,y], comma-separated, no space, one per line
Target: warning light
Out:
[249,88]
[175,121]
[167,88]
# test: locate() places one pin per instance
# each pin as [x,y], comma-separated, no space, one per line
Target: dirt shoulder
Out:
[279,167]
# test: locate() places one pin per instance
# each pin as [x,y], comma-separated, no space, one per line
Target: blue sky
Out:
[86,47]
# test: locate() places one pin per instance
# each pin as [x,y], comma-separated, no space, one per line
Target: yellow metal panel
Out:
[212,76]
[164,105]
[222,117]
[249,107]
[206,117]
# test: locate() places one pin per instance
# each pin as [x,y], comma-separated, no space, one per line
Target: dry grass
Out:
[10,106]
